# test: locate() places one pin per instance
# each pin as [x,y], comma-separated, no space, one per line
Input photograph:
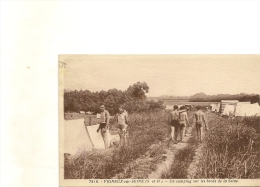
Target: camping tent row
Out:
[219,107]
[223,104]
[232,107]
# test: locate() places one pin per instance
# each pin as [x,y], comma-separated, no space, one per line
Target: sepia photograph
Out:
[159,117]
[129,93]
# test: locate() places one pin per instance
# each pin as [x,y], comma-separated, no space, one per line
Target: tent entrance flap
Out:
[75,137]
[213,107]
[79,138]
[96,138]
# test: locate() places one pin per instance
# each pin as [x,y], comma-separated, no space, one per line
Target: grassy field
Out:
[145,129]
[232,149]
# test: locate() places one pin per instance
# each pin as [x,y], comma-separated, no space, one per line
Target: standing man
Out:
[183,118]
[104,125]
[199,117]
[173,121]
[121,120]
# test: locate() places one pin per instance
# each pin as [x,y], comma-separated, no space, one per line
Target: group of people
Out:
[121,121]
[178,121]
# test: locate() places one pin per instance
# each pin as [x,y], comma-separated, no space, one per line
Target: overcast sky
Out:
[179,75]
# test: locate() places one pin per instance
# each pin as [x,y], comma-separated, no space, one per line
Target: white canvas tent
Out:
[79,138]
[247,109]
[223,103]
[244,103]
[229,110]
[254,109]
[169,107]
[239,109]
[217,108]
[213,107]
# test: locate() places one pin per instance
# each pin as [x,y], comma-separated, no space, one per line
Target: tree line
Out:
[133,100]
[242,97]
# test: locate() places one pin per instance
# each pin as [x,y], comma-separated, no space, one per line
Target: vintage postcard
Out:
[146,118]
[159,120]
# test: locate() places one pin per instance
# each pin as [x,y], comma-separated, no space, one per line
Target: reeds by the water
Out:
[232,149]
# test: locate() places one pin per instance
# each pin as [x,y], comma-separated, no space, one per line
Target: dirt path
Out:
[157,160]
[171,152]
[192,169]
[141,167]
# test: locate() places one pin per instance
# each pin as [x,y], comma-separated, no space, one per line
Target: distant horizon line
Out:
[165,95]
